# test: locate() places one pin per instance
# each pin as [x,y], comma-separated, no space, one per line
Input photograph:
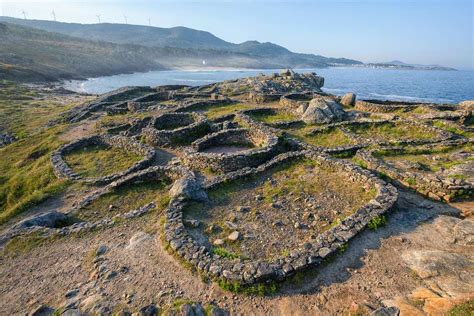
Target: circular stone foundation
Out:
[218,262]
[231,149]
[175,129]
[441,171]
[131,196]
[63,171]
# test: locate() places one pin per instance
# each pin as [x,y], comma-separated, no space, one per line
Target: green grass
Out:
[377,222]
[127,198]
[432,160]
[97,161]
[332,137]
[279,116]
[452,128]
[220,110]
[392,131]
[224,253]
[464,309]
[26,174]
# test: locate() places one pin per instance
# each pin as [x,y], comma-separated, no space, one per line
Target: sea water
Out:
[368,83]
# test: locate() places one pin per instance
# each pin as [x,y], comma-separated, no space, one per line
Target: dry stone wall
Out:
[63,171]
[431,185]
[196,125]
[248,272]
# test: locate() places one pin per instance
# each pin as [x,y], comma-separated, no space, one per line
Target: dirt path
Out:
[136,271]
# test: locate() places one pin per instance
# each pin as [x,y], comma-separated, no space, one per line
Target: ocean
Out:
[368,83]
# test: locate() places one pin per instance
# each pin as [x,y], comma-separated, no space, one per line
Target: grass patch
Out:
[452,128]
[464,309]
[26,174]
[392,132]
[430,159]
[377,222]
[277,116]
[213,111]
[127,198]
[23,244]
[332,137]
[223,253]
[97,161]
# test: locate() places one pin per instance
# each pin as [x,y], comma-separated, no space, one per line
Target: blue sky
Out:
[414,31]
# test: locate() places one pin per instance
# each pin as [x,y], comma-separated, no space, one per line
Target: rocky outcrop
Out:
[348,99]
[6,139]
[467,105]
[321,110]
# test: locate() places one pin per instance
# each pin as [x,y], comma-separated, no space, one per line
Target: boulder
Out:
[188,189]
[467,105]
[386,311]
[432,263]
[322,111]
[49,219]
[348,99]
[464,232]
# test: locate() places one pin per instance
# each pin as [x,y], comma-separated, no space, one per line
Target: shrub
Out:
[377,222]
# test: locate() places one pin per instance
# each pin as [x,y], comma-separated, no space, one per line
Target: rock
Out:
[216,311]
[430,263]
[218,242]
[194,223]
[386,311]
[91,302]
[111,275]
[287,73]
[243,209]
[41,310]
[464,232]
[71,312]
[138,239]
[188,189]
[49,219]
[71,293]
[149,310]
[102,249]
[6,139]
[348,99]
[467,105]
[321,110]
[186,310]
[234,236]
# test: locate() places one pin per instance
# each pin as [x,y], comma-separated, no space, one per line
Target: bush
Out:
[377,222]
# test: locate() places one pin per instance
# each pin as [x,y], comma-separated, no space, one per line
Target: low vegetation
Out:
[97,161]
[127,198]
[277,116]
[392,132]
[26,174]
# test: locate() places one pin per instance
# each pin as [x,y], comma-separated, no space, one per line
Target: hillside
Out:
[28,54]
[178,37]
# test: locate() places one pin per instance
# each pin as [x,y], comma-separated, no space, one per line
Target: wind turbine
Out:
[98,17]
[54,15]
[149,21]
[24,14]
[126,19]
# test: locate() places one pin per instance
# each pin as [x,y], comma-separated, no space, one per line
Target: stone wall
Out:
[376,106]
[266,143]
[63,171]
[310,255]
[197,126]
[430,185]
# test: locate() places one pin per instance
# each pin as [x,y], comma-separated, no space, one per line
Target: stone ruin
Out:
[181,124]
